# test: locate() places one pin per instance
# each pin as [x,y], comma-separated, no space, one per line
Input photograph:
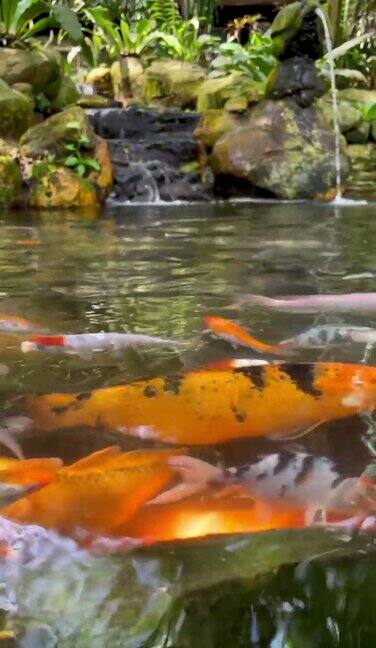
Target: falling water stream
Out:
[337,132]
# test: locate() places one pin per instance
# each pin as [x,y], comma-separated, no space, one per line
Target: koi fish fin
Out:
[8,441]
[196,475]
[297,433]
[239,336]
[10,493]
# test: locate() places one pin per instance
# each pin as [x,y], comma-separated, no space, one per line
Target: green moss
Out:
[10,181]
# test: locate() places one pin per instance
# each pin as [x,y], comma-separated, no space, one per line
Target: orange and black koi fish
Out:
[238,335]
[97,493]
[208,407]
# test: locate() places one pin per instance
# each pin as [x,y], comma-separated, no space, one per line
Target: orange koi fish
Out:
[208,407]
[204,515]
[98,493]
[237,335]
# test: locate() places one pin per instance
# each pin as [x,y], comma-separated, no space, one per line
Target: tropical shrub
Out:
[126,38]
[186,43]
[255,60]
[22,20]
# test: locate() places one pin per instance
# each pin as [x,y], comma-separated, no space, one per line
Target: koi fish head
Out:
[41,342]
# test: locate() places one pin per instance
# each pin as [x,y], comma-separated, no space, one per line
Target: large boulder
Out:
[60,186]
[216,92]
[43,70]
[10,180]
[172,83]
[16,111]
[283,148]
[297,77]
[361,181]
[52,135]
[100,80]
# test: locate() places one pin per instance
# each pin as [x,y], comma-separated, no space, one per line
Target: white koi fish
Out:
[295,478]
[85,344]
[348,303]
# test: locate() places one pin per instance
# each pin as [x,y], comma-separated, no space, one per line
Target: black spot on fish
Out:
[240,417]
[242,470]
[261,476]
[60,410]
[282,490]
[336,482]
[150,391]
[83,396]
[338,337]
[323,336]
[307,465]
[302,375]
[255,374]
[173,383]
[284,459]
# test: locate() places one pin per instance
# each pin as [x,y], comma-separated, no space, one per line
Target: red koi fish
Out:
[208,407]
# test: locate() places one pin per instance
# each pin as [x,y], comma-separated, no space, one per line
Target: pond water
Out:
[158,270]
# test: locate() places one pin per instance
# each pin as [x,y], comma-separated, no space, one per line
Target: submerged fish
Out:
[295,479]
[236,334]
[315,337]
[206,407]
[351,302]
[97,493]
[88,343]
[15,324]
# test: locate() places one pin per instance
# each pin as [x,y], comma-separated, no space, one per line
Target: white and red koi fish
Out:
[316,337]
[348,303]
[293,478]
[85,344]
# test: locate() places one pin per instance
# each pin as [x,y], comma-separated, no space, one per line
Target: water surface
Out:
[158,270]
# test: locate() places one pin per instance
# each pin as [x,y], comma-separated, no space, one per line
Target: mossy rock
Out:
[67,94]
[361,181]
[52,135]
[215,93]
[42,70]
[16,112]
[62,188]
[213,125]
[283,148]
[100,79]
[172,83]
[129,73]
[349,117]
[10,181]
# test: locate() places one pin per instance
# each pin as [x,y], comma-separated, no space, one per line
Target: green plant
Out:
[126,38]
[77,158]
[185,43]
[165,13]
[255,60]
[21,20]
[43,167]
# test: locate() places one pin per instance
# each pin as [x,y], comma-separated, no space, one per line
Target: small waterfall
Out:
[337,132]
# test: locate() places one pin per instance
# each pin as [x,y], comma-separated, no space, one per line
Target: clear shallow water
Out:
[158,270]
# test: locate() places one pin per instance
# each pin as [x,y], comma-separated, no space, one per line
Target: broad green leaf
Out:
[68,20]
[71,161]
